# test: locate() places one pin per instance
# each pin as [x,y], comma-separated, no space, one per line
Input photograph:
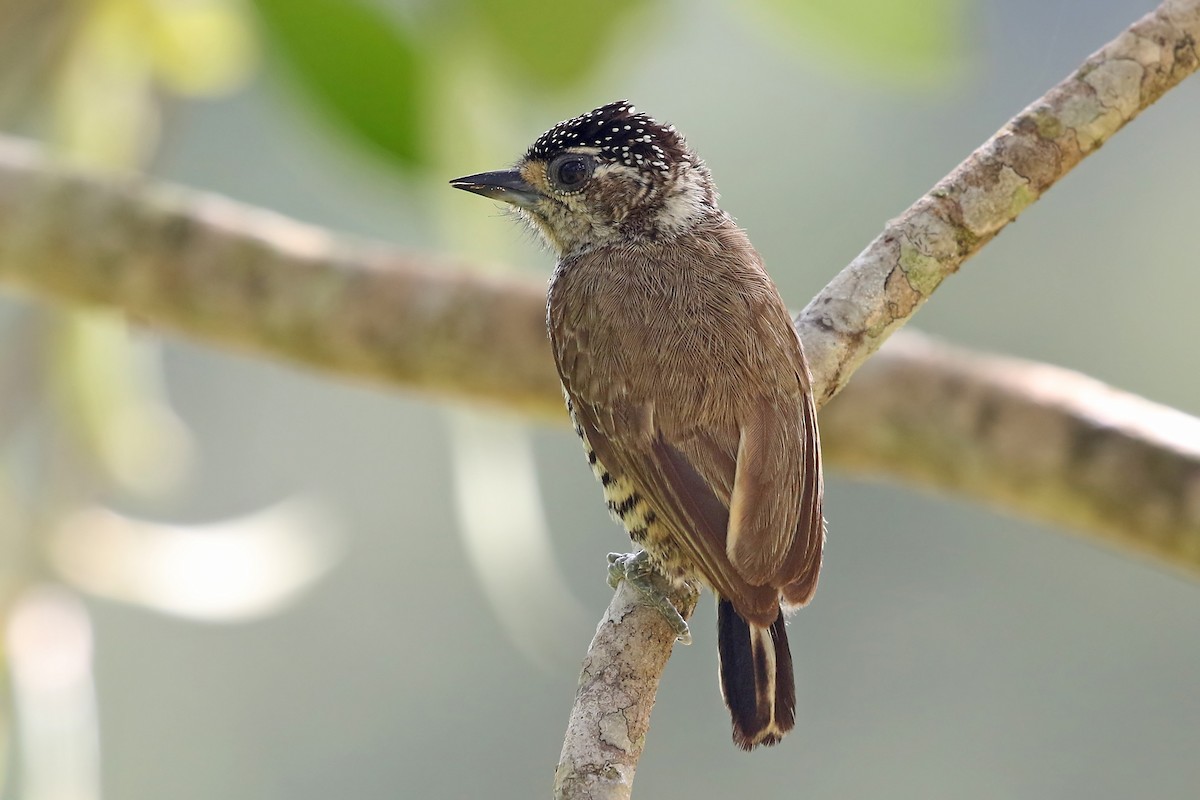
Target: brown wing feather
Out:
[768,470]
[710,419]
[763,512]
[684,504]
[805,562]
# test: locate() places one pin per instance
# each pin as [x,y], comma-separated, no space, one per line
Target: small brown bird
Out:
[687,383]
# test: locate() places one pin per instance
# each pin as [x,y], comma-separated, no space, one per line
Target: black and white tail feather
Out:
[756,677]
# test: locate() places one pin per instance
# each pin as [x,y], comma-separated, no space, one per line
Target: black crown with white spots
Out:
[621,134]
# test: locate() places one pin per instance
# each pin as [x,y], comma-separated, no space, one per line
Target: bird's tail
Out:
[756,677]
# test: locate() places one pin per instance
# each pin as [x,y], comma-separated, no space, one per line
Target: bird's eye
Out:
[570,171]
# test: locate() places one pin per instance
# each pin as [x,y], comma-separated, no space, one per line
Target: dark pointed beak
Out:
[506,185]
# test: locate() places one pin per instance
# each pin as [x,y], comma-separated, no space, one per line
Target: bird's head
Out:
[606,177]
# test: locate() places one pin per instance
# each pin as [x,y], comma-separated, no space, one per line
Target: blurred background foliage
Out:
[951,652]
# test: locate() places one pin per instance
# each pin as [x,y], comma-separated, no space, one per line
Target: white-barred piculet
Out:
[686,382]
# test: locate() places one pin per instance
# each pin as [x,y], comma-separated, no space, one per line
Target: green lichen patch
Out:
[924,272]
[1047,124]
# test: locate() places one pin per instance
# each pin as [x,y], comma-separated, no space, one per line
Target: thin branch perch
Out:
[617,687]
[886,284]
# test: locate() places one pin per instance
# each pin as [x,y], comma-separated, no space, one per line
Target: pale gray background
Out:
[950,653]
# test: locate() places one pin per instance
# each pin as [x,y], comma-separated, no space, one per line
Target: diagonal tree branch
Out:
[896,273]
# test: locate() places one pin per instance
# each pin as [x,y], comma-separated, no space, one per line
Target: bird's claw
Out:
[637,570]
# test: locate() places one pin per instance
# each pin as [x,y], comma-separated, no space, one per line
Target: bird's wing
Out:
[740,489]
[631,448]
[776,529]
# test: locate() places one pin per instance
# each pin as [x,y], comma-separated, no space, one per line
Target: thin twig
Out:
[617,687]
[886,284]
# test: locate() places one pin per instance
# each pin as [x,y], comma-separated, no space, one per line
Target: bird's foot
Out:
[637,570]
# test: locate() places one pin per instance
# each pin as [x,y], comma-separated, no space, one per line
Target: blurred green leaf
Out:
[552,43]
[199,47]
[358,65]
[903,39]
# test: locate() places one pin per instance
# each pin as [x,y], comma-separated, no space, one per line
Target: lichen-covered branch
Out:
[897,272]
[617,687]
